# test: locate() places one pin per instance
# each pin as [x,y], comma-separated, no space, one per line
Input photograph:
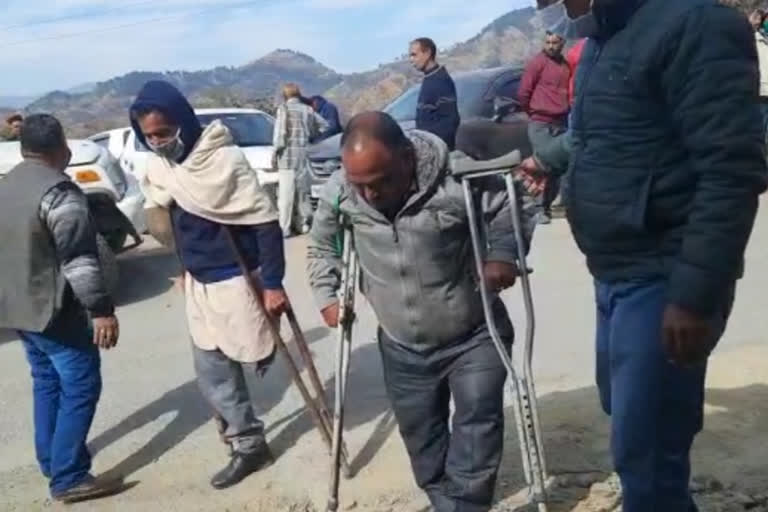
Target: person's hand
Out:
[500,275]
[106,332]
[688,338]
[530,166]
[331,315]
[275,302]
[533,178]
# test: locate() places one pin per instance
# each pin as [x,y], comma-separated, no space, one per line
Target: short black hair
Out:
[42,134]
[426,44]
[13,118]
[378,126]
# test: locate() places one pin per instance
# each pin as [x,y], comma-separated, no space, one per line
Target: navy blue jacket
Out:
[667,150]
[438,111]
[330,113]
[203,246]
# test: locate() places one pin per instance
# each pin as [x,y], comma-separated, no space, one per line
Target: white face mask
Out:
[172,150]
[554,18]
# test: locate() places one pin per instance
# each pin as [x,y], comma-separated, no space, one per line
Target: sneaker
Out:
[305,228]
[90,489]
[543,218]
[240,466]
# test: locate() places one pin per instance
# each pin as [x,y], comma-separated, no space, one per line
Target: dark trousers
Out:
[541,135]
[656,407]
[457,468]
[66,387]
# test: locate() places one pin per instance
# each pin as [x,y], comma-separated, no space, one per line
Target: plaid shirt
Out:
[296,125]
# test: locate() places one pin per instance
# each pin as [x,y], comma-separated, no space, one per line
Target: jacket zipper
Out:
[582,93]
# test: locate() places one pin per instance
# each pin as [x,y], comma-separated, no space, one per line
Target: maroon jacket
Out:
[543,91]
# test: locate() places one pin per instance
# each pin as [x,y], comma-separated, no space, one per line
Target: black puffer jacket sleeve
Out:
[710,81]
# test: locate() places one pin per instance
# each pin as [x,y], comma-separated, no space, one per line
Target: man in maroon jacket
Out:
[544,97]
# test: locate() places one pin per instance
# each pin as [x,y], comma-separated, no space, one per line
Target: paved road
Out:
[153,426]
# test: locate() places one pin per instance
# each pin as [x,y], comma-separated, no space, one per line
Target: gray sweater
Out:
[64,210]
[418,271]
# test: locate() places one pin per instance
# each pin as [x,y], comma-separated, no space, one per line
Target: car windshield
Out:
[404,107]
[470,90]
[248,129]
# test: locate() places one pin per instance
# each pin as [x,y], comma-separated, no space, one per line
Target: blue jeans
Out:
[656,407]
[67,386]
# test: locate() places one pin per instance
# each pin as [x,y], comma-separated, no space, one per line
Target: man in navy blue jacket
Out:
[665,164]
[330,113]
[437,111]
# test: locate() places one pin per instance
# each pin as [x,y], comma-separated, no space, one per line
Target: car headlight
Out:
[331,166]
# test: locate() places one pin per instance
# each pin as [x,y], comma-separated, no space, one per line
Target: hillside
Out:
[509,39]
[106,104]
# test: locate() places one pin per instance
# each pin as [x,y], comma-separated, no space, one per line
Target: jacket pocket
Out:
[601,220]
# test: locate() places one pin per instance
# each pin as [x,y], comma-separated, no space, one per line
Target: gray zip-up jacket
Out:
[417,272]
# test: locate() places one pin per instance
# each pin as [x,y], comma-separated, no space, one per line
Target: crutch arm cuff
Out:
[502,255]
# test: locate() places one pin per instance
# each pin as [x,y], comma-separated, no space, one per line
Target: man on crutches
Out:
[412,237]
[207,203]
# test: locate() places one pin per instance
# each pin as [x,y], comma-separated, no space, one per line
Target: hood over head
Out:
[166,98]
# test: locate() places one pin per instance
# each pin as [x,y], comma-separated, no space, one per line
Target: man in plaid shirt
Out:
[296,125]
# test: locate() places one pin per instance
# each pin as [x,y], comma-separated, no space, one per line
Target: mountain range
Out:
[508,40]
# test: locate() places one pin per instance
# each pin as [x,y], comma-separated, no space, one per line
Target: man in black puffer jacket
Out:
[665,165]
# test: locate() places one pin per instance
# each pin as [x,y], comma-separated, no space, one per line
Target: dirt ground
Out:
[153,428]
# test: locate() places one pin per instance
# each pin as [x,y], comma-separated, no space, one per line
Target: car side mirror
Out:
[502,107]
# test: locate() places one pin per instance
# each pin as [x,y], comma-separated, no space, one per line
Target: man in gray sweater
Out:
[411,233]
[52,292]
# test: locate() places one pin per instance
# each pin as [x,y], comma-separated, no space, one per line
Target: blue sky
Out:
[57,44]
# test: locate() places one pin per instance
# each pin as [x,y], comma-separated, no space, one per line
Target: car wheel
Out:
[108,262]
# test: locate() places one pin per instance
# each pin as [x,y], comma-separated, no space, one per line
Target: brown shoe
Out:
[90,489]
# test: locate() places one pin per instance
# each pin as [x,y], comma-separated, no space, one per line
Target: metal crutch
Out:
[524,393]
[349,277]
[316,406]
[314,377]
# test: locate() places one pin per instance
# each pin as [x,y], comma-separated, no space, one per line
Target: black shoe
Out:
[240,466]
[90,489]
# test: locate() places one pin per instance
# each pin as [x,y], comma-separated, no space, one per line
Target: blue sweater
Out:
[437,111]
[206,252]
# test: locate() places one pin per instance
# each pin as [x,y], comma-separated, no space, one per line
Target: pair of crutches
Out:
[525,403]
[317,405]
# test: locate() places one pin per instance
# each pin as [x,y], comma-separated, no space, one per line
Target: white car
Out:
[251,128]
[116,203]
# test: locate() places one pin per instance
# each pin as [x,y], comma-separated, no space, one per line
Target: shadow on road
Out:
[366,401]
[577,436]
[145,274]
[191,410]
